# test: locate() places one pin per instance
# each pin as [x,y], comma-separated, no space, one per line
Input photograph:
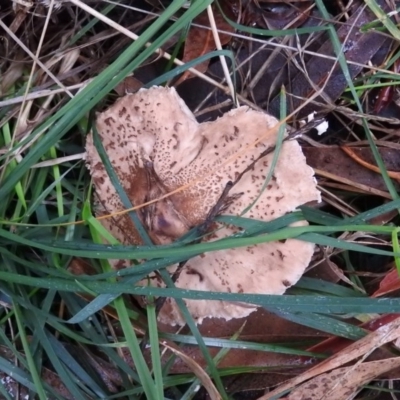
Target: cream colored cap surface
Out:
[156,146]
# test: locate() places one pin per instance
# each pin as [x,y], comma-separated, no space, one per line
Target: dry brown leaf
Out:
[12,74]
[341,275]
[334,344]
[200,41]
[343,383]
[202,375]
[129,85]
[362,347]
[320,72]
[261,327]
[389,284]
[332,162]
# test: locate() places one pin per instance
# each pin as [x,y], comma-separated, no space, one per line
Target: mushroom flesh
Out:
[156,146]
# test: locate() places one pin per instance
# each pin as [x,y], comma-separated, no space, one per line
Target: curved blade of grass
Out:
[104,299]
[320,217]
[133,344]
[196,333]
[94,330]
[278,147]
[143,371]
[320,304]
[272,32]
[17,374]
[254,226]
[82,249]
[118,187]
[384,18]
[29,357]
[44,193]
[341,244]
[36,325]
[74,367]
[190,64]
[240,344]
[325,287]
[155,348]
[323,323]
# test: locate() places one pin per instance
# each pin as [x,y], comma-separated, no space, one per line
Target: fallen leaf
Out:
[259,381]
[343,383]
[200,41]
[326,73]
[260,327]
[339,271]
[366,345]
[195,368]
[335,163]
[389,284]
[386,94]
[335,344]
[79,266]
[353,154]
[129,85]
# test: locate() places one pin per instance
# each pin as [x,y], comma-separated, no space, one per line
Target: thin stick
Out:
[222,59]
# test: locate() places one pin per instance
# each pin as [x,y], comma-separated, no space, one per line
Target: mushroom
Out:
[156,146]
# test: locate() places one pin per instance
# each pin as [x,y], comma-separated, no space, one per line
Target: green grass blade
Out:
[319,304]
[323,323]
[29,357]
[98,251]
[155,348]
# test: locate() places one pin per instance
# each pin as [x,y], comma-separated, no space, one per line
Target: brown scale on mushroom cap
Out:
[156,146]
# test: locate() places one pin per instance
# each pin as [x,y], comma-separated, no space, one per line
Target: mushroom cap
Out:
[156,146]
